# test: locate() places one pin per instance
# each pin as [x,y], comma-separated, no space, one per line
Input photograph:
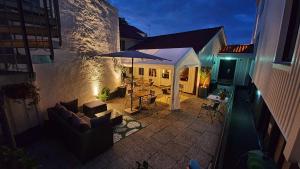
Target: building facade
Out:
[277,74]
[129,35]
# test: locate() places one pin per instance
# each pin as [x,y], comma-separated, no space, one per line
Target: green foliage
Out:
[15,159]
[104,94]
[22,91]
[143,165]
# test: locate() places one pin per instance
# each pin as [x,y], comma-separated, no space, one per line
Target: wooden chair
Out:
[166,94]
[149,101]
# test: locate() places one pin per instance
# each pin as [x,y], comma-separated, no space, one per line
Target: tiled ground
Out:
[169,140]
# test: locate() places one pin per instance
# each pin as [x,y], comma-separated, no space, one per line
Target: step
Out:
[13,59]
[30,30]
[29,18]
[32,43]
[12,4]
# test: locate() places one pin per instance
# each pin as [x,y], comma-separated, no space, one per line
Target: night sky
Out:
[156,17]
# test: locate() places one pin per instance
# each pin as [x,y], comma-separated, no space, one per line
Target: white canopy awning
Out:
[176,59]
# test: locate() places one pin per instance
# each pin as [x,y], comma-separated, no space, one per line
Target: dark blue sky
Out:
[157,17]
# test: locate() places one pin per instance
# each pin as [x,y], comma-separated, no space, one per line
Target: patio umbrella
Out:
[133,55]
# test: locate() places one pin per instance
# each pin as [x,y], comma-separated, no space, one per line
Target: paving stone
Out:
[174,130]
[195,152]
[174,150]
[161,161]
[188,138]
[169,140]
[146,132]
[182,163]
[209,142]
[163,137]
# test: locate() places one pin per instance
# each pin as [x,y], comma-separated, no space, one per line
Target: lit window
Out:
[152,72]
[184,76]
[165,74]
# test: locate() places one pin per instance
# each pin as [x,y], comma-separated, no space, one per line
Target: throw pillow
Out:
[71,105]
[98,121]
[79,123]
[63,111]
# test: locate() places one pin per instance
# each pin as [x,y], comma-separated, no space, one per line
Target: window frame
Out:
[286,48]
[152,72]
[141,71]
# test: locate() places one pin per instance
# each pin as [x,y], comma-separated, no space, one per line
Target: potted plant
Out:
[205,73]
[15,159]
[104,95]
[22,91]
[222,95]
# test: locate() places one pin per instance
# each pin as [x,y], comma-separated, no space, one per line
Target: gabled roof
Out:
[237,49]
[131,32]
[196,39]
[170,56]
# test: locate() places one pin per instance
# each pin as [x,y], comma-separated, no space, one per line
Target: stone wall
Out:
[89,27]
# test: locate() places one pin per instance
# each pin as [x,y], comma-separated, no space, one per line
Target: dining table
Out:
[140,95]
[217,98]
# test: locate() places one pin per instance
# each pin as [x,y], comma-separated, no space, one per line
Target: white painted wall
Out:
[213,47]
[242,69]
[188,86]
[278,84]
[87,29]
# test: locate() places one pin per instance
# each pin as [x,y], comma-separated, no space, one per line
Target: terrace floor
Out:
[169,140]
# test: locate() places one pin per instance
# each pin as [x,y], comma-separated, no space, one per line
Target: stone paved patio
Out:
[169,140]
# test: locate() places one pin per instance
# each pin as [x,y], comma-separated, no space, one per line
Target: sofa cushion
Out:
[71,105]
[100,120]
[87,120]
[79,123]
[63,111]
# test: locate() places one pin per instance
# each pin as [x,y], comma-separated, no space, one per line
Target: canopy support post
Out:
[131,110]
[131,103]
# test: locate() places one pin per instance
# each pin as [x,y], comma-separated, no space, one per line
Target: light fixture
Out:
[258,93]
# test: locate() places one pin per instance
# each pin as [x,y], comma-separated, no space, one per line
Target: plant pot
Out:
[202,93]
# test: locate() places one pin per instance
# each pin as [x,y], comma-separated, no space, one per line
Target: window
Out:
[152,72]
[184,76]
[141,71]
[292,32]
[165,74]
[130,70]
[122,45]
[289,33]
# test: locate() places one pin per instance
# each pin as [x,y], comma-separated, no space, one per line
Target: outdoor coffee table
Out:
[93,107]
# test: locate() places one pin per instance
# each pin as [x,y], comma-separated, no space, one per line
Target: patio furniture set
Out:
[143,93]
[216,108]
[87,133]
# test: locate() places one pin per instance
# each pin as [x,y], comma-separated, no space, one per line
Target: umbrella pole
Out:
[131,103]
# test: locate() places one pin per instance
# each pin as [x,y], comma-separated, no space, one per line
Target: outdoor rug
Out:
[126,128]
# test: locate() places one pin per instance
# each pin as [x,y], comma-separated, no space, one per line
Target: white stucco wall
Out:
[212,48]
[88,27]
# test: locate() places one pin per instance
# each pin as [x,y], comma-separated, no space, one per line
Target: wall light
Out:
[95,88]
[258,93]
[229,58]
